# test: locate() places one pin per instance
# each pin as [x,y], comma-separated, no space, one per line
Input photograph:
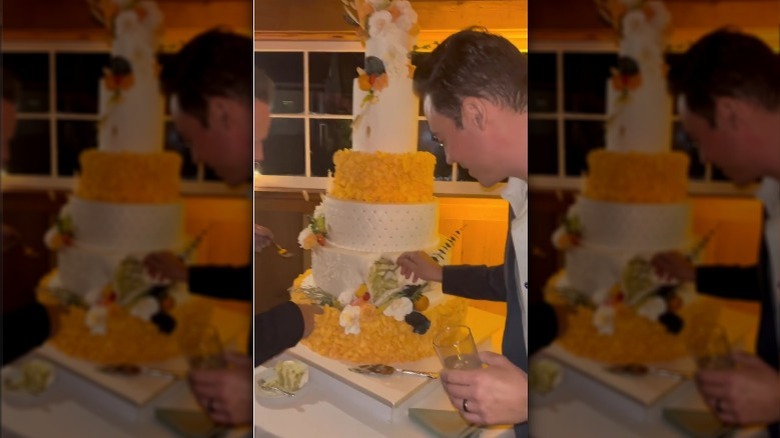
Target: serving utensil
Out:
[132,370]
[281,251]
[270,386]
[387,370]
[639,370]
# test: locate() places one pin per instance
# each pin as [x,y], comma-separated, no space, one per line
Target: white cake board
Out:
[381,396]
[134,391]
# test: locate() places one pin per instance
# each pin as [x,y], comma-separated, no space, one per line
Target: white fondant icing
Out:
[379,228]
[390,124]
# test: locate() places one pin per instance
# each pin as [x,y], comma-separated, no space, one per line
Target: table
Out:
[76,406]
[327,407]
[581,406]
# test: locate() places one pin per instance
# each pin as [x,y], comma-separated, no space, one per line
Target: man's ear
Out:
[474,112]
[728,112]
[220,110]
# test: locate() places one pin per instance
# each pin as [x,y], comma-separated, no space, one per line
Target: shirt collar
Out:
[516,193]
[769,194]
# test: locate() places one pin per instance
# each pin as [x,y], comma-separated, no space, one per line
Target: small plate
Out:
[269,374]
[23,395]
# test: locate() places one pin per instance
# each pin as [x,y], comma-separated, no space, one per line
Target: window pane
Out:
[542,92]
[585,79]
[581,138]
[442,171]
[30,153]
[284,150]
[681,142]
[78,78]
[174,142]
[330,81]
[74,137]
[286,71]
[464,175]
[32,72]
[163,59]
[328,136]
[542,147]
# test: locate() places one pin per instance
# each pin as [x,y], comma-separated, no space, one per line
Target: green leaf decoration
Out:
[317,296]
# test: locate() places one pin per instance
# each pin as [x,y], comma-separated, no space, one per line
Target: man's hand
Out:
[225,394]
[673,265]
[747,394]
[165,265]
[494,395]
[419,265]
[263,237]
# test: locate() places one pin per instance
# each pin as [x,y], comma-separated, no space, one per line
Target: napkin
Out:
[697,424]
[443,424]
[190,423]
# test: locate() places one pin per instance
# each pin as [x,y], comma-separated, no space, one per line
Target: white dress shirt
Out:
[516,193]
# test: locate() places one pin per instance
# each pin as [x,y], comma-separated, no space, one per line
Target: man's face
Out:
[222,145]
[9,128]
[262,126]
[719,145]
[465,146]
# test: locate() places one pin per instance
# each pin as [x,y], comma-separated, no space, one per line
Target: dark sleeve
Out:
[478,282]
[277,330]
[228,282]
[23,330]
[735,282]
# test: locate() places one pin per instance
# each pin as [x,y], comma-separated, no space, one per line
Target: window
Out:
[567,102]
[58,114]
[312,116]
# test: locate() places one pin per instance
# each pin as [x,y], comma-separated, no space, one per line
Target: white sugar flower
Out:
[408,16]
[350,320]
[652,308]
[379,4]
[380,24]
[96,319]
[604,320]
[145,308]
[307,239]
[399,308]
[346,297]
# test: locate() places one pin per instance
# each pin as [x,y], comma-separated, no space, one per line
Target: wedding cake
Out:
[126,204]
[379,204]
[633,205]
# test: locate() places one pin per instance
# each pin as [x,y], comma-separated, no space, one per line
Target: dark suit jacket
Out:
[748,283]
[277,330]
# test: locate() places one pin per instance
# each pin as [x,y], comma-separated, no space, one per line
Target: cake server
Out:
[387,370]
[131,370]
[638,370]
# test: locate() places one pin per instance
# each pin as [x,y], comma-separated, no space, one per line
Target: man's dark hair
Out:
[216,63]
[727,63]
[12,90]
[473,63]
[264,87]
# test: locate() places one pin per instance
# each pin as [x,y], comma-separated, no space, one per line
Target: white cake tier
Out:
[132,120]
[633,227]
[126,227]
[390,124]
[641,120]
[336,270]
[380,228]
[84,270]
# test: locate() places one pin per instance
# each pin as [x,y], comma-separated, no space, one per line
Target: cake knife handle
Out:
[430,375]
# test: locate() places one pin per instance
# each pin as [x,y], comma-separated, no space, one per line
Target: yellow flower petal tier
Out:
[383,178]
[128,177]
[636,177]
[382,339]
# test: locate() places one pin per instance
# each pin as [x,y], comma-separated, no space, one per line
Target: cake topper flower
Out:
[61,234]
[626,76]
[118,76]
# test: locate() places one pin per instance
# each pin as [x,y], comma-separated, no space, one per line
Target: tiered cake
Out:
[380,204]
[633,205]
[126,205]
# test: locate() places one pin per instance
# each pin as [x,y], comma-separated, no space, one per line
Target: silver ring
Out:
[210,405]
[465,405]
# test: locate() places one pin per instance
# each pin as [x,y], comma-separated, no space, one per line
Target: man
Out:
[210,88]
[474,91]
[729,104]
